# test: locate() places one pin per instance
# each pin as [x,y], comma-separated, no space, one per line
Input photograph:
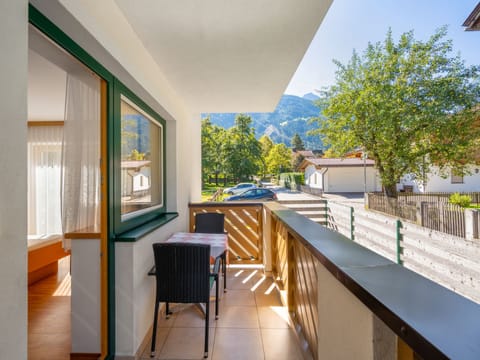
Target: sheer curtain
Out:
[80,191]
[44,164]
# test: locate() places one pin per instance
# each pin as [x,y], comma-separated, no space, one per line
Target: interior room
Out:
[61,94]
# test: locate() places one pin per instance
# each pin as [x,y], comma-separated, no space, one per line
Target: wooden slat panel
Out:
[280,263]
[305,297]
[243,223]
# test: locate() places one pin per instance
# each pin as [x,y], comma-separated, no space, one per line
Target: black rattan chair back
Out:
[182,272]
[213,223]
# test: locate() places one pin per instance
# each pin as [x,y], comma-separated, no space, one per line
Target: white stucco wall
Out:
[342,179]
[13,181]
[314,177]
[346,325]
[86,299]
[471,183]
[351,179]
[437,183]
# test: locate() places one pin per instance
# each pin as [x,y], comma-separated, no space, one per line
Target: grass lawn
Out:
[210,189]
[474,206]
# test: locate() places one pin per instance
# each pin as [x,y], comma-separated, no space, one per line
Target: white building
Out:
[447,181]
[341,175]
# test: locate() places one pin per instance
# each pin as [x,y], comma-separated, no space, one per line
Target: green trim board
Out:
[139,232]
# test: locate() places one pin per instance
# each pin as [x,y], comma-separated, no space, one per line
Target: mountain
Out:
[310,96]
[291,116]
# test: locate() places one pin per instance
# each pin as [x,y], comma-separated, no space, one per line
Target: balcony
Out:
[252,324]
[342,301]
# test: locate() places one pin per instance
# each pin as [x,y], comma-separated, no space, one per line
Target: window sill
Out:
[142,230]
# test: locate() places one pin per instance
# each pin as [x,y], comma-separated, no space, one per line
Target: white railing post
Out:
[471,224]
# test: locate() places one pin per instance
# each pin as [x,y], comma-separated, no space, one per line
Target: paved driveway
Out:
[351,199]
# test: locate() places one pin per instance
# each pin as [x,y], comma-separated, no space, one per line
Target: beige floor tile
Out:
[162,334]
[237,344]
[273,317]
[266,296]
[193,316]
[238,317]
[280,344]
[238,298]
[252,324]
[238,279]
[186,343]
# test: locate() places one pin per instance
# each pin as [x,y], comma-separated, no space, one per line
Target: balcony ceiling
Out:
[226,56]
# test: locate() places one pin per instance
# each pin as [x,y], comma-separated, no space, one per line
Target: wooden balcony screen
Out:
[243,223]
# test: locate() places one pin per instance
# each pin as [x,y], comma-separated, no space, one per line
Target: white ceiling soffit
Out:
[226,56]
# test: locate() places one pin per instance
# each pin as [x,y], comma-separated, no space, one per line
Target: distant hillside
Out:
[291,116]
[310,96]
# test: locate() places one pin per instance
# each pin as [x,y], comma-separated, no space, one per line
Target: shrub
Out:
[461,200]
[291,180]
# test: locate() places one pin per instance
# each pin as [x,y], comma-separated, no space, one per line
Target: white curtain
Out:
[44,163]
[81,155]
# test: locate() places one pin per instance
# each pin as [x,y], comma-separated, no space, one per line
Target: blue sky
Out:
[351,24]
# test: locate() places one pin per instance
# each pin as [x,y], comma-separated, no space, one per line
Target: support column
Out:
[13,182]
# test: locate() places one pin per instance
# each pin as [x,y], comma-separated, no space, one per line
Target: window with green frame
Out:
[139,155]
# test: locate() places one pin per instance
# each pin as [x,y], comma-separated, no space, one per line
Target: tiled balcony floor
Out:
[252,324]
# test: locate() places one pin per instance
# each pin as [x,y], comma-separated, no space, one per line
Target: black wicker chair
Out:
[183,275]
[213,223]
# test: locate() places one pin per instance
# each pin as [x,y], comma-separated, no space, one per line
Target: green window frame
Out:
[125,216]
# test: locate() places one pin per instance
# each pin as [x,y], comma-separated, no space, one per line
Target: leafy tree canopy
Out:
[410,104]
[279,159]
[213,149]
[242,150]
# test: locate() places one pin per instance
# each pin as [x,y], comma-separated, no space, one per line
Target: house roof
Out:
[473,20]
[336,162]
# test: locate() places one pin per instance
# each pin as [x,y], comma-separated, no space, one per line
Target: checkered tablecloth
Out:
[218,242]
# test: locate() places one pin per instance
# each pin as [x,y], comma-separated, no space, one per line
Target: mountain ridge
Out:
[292,115]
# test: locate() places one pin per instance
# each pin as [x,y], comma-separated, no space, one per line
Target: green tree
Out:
[266,145]
[297,143]
[330,153]
[243,149]
[297,161]
[279,159]
[213,148]
[409,105]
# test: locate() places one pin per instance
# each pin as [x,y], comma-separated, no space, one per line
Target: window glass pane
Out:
[141,161]
[44,164]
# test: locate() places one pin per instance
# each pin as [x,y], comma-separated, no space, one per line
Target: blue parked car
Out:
[254,194]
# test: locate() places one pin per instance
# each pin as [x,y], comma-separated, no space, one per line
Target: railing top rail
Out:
[435,322]
[213,204]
